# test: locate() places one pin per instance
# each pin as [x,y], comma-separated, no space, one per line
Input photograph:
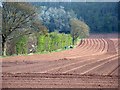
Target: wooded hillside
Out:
[101,17]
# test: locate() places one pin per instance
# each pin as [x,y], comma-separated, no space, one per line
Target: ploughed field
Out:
[92,64]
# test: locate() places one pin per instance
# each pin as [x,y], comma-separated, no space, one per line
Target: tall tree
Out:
[0,31]
[78,29]
[17,20]
[56,18]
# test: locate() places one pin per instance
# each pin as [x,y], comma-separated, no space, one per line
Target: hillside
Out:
[101,17]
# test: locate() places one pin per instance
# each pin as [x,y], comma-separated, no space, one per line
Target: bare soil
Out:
[92,64]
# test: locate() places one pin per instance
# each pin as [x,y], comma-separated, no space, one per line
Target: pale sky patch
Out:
[0,4]
[61,0]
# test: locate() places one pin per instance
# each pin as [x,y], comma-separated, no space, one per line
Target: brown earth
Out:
[92,64]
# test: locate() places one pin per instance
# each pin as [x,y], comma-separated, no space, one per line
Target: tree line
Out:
[100,17]
[22,19]
[45,43]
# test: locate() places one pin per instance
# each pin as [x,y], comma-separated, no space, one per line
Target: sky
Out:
[63,0]
[0,4]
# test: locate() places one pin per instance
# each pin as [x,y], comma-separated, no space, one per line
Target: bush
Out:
[21,45]
[45,43]
[53,41]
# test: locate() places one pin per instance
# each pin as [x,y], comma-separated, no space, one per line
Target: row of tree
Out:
[53,41]
[45,43]
[23,19]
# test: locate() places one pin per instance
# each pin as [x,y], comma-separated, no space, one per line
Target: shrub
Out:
[21,45]
[53,41]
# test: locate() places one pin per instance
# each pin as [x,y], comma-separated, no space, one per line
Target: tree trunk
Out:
[4,48]
[73,41]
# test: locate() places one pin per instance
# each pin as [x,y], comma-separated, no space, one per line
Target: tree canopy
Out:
[78,29]
[17,20]
[56,18]
[15,16]
[101,17]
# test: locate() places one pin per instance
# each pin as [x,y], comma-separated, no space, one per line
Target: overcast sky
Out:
[62,0]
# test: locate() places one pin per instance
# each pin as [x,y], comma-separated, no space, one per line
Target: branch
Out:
[23,21]
[24,33]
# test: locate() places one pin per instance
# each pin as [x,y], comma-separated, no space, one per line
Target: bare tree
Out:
[17,20]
